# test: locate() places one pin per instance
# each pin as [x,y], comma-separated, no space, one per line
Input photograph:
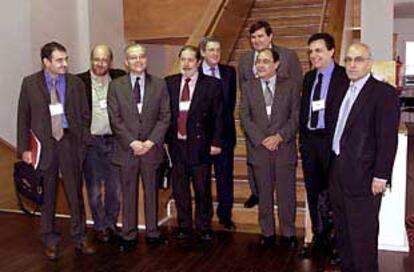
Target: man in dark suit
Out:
[195,135]
[223,163]
[269,114]
[321,97]
[139,113]
[261,36]
[52,104]
[364,147]
[99,171]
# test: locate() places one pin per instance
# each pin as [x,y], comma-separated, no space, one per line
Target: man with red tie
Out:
[193,138]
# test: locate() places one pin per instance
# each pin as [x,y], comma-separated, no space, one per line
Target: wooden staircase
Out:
[292,21]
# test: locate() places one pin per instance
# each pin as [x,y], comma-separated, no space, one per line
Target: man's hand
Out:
[137,146]
[272,142]
[27,157]
[214,150]
[378,186]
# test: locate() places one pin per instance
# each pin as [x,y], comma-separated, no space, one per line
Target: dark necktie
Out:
[316,97]
[182,116]
[57,128]
[213,71]
[268,96]
[137,91]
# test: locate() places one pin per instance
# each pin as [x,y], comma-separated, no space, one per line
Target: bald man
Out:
[363,148]
[102,177]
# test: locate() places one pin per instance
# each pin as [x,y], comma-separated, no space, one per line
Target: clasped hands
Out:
[141,148]
[272,142]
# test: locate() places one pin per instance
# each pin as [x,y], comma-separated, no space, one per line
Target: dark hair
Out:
[191,48]
[329,40]
[261,24]
[275,55]
[47,50]
[205,40]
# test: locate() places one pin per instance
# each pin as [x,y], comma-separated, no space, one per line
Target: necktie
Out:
[213,71]
[57,128]
[316,97]
[342,118]
[268,95]
[182,116]
[137,91]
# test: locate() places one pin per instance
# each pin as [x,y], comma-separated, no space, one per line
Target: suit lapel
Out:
[175,93]
[258,98]
[43,88]
[147,93]
[197,95]
[126,90]
[359,104]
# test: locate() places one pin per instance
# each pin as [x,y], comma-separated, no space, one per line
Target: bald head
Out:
[101,59]
[358,61]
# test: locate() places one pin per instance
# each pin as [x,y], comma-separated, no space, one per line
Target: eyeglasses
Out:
[264,61]
[357,60]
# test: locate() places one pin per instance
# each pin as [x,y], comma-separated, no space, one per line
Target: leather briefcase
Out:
[29,185]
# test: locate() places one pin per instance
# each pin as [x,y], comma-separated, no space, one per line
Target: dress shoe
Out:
[206,235]
[288,241]
[227,223]
[183,234]
[86,248]
[127,245]
[51,252]
[103,236]
[156,241]
[268,241]
[252,201]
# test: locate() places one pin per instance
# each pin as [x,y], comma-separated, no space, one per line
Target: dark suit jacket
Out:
[284,120]
[229,88]
[336,92]
[128,125]
[369,140]
[33,113]
[86,78]
[290,67]
[204,121]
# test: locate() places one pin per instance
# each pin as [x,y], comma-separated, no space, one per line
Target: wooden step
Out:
[285,3]
[280,22]
[290,11]
[242,191]
[289,42]
[288,31]
[246,220]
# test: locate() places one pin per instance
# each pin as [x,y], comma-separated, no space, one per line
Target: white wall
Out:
[405,30]
[27,25]
[377,18]
[15,56]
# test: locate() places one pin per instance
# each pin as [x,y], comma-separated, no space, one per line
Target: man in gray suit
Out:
[52,106]
[139,113]
[269,114]
[261,36]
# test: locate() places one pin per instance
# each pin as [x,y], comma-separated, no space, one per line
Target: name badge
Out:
[56,109]
[102,105]
[185,106]
[318,105]
[268,110]
[139,107]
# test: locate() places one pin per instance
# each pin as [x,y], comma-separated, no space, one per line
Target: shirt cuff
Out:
[380,179]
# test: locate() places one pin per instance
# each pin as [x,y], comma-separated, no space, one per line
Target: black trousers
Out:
[183,172]
[65,160]
[315,151]
[356,224]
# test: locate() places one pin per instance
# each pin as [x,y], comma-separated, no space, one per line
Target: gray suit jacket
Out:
[290,67]
[33,114]
[129,125]
[284,120]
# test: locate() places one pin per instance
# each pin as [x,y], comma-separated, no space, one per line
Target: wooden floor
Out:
[21,250]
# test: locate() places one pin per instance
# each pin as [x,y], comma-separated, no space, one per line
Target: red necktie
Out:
[182,116]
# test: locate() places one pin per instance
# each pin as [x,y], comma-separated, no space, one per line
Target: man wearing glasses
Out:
[363,149]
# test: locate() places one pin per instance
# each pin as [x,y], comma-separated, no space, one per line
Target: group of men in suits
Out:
[114,127]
